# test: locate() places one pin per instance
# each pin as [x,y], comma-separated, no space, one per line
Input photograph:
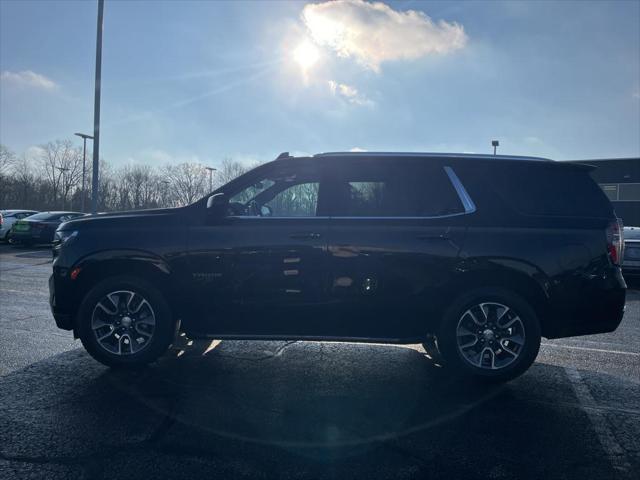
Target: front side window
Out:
[282,193]
[395,189]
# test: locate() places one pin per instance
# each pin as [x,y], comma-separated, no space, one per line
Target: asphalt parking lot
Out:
[304,410]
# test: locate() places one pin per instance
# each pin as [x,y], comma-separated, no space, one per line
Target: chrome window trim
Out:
[465,198]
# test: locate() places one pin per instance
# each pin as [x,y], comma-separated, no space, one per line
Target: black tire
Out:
[452,356]
[162,336]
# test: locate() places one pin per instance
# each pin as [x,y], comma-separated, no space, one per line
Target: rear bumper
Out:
[597,308]
[29,237]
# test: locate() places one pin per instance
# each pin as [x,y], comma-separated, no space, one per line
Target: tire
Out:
[507,335]
[138,333]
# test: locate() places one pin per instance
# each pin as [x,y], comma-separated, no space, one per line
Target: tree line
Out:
[50,178]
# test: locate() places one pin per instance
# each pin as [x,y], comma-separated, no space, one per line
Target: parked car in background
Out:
[9,217]
[631,265]
[476,256]
[39,228]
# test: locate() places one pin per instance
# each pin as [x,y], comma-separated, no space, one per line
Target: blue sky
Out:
[203,81]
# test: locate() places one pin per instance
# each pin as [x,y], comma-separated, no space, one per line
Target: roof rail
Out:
[430,155]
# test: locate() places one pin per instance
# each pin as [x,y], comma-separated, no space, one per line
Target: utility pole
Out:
[84,137]
[96,111]
[211,170]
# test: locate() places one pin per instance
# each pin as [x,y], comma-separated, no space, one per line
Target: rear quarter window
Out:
[551,190]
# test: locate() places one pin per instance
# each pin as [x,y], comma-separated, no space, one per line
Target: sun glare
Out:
[306,55]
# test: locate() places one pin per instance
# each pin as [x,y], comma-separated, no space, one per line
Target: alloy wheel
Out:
[123,322]
[490,336]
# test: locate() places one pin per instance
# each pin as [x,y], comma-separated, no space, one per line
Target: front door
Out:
[262,270]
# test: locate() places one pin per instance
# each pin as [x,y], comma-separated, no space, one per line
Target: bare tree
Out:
[7,159]
[62,167]
[229,169]
[187,182]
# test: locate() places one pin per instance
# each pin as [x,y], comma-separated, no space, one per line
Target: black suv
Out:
[476,257]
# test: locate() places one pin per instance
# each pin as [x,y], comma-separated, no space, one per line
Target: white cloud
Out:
[27,78]
[349,94]
[373,32]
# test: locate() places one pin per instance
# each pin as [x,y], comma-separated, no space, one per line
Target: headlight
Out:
[63,237]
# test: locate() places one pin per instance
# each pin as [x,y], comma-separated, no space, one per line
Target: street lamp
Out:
[211,170]
[84,137]
[495,144]
[96,110]
[62,170]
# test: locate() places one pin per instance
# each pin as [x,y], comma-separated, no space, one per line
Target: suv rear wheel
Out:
[489,333]
[125,321]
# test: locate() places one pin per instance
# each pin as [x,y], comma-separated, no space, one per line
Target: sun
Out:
[306,55]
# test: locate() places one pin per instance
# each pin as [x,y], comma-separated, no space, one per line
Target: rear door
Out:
[395,233]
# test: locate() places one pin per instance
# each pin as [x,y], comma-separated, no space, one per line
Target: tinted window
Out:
[280,193]
[550,190]
[395,189]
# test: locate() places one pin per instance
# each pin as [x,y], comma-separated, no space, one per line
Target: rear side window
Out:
[394,189]
[550,191]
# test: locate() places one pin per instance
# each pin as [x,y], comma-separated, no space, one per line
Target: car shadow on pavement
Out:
[294,410]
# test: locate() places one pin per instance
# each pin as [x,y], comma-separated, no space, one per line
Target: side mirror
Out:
[217,205]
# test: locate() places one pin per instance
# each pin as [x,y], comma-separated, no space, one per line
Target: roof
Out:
[432,155]
[627,159]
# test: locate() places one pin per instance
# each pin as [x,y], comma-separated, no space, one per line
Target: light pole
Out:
[211,170]
[96,111]
[64,186]
[84,162]
[495,144]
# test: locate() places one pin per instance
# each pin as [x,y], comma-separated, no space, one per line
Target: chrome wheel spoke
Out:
[106,335]
[470,344]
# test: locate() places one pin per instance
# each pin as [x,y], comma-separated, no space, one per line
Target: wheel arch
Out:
[149,267]
[522,278]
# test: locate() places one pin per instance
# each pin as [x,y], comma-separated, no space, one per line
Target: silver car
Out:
[9,217]
[631,264]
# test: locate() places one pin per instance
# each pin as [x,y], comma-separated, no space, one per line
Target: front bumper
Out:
[64,319]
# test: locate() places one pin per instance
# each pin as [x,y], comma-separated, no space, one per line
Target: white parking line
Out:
[573,347]
[616,454]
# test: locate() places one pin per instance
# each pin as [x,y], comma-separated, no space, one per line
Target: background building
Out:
[620,180]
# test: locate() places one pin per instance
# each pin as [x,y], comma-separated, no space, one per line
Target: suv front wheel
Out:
[125,322]
[489,333]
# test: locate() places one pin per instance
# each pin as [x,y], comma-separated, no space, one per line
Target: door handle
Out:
[306,235]
[443,236]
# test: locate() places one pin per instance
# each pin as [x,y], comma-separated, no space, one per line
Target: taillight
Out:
[615,241]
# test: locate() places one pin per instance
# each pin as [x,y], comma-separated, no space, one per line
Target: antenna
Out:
[283,155]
